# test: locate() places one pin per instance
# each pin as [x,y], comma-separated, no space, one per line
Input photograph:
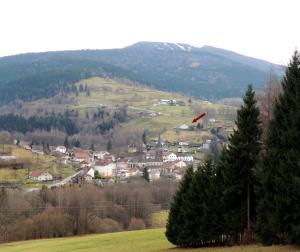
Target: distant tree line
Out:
[30,77]
[68,122]
[74,210]
[17,123]
[253,191]
[41,85]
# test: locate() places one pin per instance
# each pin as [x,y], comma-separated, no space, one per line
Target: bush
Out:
[106,225]
[136,224]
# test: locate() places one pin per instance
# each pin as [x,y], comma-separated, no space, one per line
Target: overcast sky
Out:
[266,29]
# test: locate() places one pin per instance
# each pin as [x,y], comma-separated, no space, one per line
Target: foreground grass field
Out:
[133,241]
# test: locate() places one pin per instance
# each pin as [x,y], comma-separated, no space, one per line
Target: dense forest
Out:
[222,73]
[29,77]
[69,122]
[16,123]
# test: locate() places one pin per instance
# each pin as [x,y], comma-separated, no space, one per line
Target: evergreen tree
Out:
[278,212]
[199,126]
[80,88]
[76,143]
[144,138]
[237,169]
[146,175]
[201,209]
[92,147]
[88,92]
[97,175]
[176,218]
[66,143]
[109,145]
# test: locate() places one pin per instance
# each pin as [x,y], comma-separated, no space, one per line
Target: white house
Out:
[40,175]
[82,155]
[186,158]
[100,154]
[183,143]
[183,127]
[105,168]
[170,157]
[164,102]
[61,149]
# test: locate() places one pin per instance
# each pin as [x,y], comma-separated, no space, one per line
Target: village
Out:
[103,167]
[156,159]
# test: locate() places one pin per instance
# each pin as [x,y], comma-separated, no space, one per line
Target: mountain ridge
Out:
[203,72]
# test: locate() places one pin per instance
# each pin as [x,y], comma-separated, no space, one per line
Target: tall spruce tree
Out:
[278,212]
[109,145]
[236,167]
[201,209]
[176,218]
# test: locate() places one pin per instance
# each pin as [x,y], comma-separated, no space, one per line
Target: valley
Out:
[150,114]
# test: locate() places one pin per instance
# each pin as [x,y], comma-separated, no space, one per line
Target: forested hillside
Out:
[205,72]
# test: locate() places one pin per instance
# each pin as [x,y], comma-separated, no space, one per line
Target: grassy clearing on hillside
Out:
[139,98]
[133,241]
[35,161]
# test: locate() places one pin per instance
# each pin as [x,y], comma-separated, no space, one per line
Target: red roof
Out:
[103,162]
[81,154]
[36,173]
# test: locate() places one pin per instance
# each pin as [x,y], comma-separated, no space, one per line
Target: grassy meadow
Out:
[139,98]
[33,161]
[151,240]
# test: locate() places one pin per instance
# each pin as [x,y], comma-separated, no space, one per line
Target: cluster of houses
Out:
[159,161]
[93,165]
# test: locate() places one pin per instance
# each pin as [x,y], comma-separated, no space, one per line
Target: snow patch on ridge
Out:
[181,47]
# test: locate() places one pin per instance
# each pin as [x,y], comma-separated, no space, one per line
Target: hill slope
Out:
[144,108]
[133,241]
[200,72]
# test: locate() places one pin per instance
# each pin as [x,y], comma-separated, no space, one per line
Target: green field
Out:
[33,161]
[133,241]
[109,93]
[140,98]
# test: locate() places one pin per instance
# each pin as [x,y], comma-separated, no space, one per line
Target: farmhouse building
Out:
[105,167]
[40,175]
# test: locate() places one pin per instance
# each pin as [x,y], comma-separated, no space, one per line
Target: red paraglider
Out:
[199,117]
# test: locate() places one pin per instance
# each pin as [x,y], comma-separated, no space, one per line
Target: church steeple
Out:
[158,144]
[158,149]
